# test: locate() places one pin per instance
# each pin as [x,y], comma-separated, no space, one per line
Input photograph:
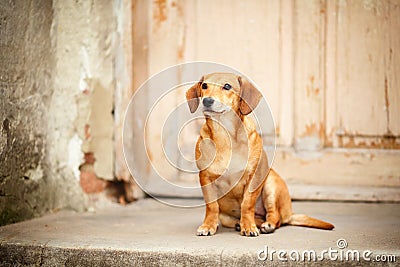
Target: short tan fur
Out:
[239,188]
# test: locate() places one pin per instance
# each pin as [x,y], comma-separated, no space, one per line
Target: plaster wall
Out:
[56,106]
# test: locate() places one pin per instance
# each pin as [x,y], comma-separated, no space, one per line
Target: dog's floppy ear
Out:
[249,96]
[192,96]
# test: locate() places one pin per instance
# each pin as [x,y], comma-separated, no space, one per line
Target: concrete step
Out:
[148,233]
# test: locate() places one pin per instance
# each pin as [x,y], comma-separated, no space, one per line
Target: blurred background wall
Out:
[328,69]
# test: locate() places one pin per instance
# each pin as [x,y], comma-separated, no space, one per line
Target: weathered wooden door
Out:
[328,69]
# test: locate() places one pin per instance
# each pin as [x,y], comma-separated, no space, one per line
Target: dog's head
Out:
[222,92]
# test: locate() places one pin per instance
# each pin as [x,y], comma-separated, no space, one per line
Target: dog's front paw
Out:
[206,229]
[249,230]
[267,228]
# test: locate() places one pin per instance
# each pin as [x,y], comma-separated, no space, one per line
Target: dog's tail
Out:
[304,220]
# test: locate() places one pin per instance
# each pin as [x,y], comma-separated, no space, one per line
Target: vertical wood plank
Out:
[285,122]
[166,44]
[134,120]
[309,78]
[361,74]
[123,91]
[393,67]
[189,9]
[243,36]
[140,42]
[331,123]
[166,36]
[361,68]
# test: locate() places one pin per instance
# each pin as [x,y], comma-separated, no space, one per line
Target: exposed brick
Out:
[90,183]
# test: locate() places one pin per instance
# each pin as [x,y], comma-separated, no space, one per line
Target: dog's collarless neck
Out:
[228,125]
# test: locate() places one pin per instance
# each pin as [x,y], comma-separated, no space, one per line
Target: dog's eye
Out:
[204,86]
[227,86]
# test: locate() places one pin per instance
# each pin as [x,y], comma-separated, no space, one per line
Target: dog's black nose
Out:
[208,101]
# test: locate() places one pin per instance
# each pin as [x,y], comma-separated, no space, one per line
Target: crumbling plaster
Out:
[56,87]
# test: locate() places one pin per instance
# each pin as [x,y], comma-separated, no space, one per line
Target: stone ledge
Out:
[148,233]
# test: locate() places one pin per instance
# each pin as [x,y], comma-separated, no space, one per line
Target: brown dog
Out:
[239,188]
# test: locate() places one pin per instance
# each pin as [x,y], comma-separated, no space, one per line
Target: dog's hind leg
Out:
[273,217]
[277,202]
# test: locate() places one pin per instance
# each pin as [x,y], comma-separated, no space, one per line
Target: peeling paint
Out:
[87,132]
[88,180]
[89,158]
[101,129]
[160,11]
[311,89]
[85,72]
[277,130]
[86,46]
[182,33]
[311,138]
[314,129]
[75,154]
[372,142]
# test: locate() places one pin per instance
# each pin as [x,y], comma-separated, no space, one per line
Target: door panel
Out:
[328,69]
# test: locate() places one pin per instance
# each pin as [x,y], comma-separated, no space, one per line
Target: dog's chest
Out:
[223,159]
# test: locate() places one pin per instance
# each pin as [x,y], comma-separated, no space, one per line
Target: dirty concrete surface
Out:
[149,233]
